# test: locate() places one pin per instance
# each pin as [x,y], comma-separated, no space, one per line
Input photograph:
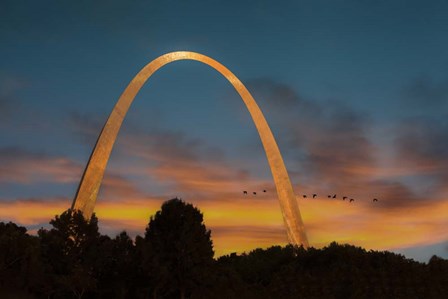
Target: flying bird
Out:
[375,199]
[255,193]
[334,196]
[351,199]
[329,196]
[244,192]
[314,195]
[304,196]
[344,198]
[264,191]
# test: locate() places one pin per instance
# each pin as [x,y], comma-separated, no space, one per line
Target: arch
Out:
[93,174]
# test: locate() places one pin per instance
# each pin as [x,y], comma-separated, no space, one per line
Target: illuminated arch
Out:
[91,180]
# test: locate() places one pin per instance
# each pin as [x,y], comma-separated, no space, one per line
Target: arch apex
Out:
[89,185]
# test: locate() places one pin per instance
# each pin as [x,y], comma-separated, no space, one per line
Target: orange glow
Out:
[247,222]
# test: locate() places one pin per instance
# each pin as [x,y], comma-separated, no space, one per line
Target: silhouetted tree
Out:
[70,250]
[179,251]
[116,267]
[20,266]
[438,271]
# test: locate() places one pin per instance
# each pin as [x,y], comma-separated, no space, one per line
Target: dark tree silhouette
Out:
[179,251]
[70,249]
[116,267]
[20,266]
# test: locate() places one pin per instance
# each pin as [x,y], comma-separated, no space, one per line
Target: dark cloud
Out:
[273,93]
[422,144]
[394,194]
[333,151]
[423,139]
[329,137]
[424,91]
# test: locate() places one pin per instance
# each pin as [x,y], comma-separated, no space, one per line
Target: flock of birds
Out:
[315,195]
[254,193]
[335,197]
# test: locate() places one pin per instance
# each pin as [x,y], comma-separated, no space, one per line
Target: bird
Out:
[351,199]
[304,196]
[375,199]
[255,193]
[244,192]
[334,196]
[314,195]
[264,191]
[329,196]
[344,198]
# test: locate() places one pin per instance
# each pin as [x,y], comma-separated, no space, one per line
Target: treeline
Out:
[174,259]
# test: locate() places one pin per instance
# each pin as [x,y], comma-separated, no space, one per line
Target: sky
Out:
[355,92]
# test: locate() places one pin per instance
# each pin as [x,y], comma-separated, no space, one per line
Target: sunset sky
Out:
[355,92]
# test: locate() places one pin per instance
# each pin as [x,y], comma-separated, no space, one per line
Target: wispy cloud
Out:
[22,166]
[337,153]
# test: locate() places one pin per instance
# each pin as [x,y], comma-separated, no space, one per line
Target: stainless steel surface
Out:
[91,180]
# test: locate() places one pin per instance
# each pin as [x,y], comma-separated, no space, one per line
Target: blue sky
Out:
[356,93]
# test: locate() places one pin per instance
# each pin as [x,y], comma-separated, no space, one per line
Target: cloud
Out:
[26,167]
[422,143]
[328,140]
[115,186]
[424,91]
[423,140]
[187,165]
[273,93]
[333,151]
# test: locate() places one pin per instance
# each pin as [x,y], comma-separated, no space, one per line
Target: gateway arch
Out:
[89,186]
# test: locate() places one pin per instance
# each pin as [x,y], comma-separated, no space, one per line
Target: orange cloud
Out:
[25,167]
[243,222]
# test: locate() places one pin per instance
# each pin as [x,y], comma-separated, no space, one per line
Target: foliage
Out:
[20,265]
[70,250]
[179,251]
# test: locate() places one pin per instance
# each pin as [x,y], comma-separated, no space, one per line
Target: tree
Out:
[179,252]
[20,266]
[116,267]
[69,250]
